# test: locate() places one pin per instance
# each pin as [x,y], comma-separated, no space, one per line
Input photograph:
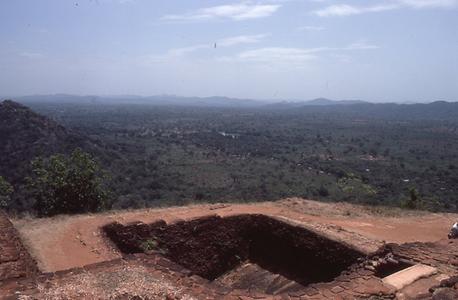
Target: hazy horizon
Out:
[183,97]
[382,51]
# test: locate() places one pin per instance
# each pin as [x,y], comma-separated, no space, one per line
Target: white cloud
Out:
[277,54]
[338,10]
[224,42]
[429,3]
[241,39]
[361,45]
[310,28]
[293,55]
[348,10]
[240,11]
[31,55]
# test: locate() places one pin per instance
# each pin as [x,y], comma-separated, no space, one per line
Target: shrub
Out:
[413,202]
[5,191]
[151,245]
[67,184]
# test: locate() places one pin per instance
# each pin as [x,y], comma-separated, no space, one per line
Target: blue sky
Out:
[376,50]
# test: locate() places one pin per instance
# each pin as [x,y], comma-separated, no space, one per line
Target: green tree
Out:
[323,191]
[67,184]
[354,187]
[413,202]
[5,192]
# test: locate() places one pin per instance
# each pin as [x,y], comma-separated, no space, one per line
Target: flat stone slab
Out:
[408,276]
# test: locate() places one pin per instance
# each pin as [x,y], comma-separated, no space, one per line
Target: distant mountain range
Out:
[439,110]
[324,101]
[214,101]
[153,100]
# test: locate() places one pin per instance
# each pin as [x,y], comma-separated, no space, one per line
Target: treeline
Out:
[177,155]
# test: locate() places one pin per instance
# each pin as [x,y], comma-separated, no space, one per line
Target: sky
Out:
[373,50]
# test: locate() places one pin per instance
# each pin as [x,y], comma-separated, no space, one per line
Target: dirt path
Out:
[66,242]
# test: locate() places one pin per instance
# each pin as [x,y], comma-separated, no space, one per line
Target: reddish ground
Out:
[66,242]
[96,270]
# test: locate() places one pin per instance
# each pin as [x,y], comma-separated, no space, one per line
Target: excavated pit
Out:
[390,268]
[214,246]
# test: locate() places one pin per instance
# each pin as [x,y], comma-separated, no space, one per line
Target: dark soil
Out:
[212,246]
[391,268]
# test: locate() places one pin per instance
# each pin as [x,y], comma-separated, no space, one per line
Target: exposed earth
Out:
[76,259]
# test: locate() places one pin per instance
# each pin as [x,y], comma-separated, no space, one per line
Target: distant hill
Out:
[439,110]
[25,135]
[324,101]
[214,101]
[153,100]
